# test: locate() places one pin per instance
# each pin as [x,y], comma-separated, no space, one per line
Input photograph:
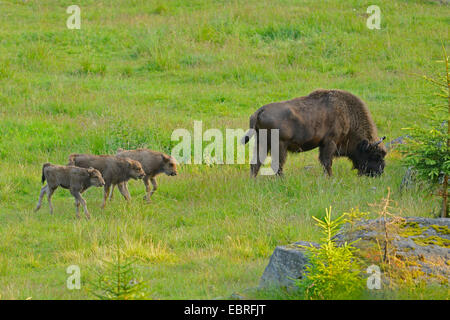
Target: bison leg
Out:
[254,168]
[154,185]
[125,187]
[326,153]
[41,195]
[277,164]
[259,156]
[49,197]
[77,206]
[147,188]
[79,199]
[124,190]
[86,212]
[112,192]
[105,194]
[149,192]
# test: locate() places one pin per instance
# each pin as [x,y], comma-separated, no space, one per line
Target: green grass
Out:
[136,71]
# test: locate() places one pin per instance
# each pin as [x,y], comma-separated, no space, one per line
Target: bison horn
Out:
[378,142]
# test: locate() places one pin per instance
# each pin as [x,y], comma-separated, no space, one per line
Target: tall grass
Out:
[137,70]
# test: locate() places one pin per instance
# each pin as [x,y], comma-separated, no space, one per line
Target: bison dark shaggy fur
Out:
[335,121]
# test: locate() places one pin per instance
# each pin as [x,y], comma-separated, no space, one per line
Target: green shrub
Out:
[333,272]
[118,279]
[428,149]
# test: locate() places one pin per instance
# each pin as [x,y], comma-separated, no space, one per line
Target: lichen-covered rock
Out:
[286,264]
[420,246]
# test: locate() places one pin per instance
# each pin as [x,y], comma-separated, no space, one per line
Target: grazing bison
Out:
[154,163]
[335,121]
[114,170]
[76,179]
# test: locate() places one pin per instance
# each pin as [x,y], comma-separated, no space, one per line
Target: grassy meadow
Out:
[136,71]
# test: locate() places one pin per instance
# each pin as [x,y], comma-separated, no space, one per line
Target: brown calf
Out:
[114,170]
[154,163]
[77,180]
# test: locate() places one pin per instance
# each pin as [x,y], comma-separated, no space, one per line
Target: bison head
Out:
[369,158]
[136,170]
[96,177]
[169,165]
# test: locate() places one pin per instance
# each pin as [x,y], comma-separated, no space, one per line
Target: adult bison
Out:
[335,121]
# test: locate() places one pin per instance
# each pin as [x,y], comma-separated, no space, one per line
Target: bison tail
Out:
[43,167]
[251,132]
[248,135]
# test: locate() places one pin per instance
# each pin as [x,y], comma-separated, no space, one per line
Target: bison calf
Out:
[154,163]
[77,180]
[114,170]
